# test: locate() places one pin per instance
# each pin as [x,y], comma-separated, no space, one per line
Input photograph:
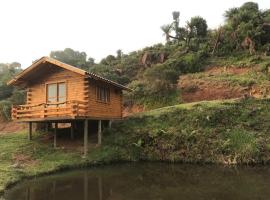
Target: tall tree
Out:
[75,58]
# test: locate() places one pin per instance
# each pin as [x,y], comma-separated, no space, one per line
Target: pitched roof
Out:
[16,80]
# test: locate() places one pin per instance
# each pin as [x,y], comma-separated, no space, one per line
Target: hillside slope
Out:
[224,82]
[232,131]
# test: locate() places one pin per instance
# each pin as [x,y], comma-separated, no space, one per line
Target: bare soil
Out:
[198,89]
[129,110]
[10,127]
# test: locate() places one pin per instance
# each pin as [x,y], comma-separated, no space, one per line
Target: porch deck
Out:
[50,111]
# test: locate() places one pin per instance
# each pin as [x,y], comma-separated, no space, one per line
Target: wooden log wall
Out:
[79,88]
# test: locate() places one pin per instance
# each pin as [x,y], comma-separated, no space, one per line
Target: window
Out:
[56,92]
[103,94]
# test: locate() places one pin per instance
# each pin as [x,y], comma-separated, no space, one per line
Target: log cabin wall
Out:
[74,82]
[78,88]
[111,109]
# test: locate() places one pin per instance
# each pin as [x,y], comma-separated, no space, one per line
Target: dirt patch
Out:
[200,89]
[10,127]
[21,160]
[228,70]
[129,110]
[67,144]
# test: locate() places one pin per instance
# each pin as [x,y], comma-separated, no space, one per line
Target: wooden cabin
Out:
[58,92]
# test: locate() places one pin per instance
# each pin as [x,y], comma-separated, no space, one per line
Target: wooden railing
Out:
[49,110]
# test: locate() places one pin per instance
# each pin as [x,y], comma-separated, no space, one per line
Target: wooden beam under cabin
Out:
[99,132]
[72,130]
[85,137]
[30,131]
[55,134]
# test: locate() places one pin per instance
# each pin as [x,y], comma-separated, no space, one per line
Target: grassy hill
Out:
[232,131]
[220,132]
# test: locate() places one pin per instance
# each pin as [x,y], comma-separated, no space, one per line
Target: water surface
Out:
[149,181]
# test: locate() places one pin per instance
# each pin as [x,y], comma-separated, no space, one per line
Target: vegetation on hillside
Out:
[225,132]
[228,132]
[8,94]
[153,72]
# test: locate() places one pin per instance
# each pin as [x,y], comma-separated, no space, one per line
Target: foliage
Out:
[74,58]
[194,32]
[8,94]
[5,108]
[228,132]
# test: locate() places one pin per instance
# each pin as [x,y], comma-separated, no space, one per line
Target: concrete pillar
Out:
[30,131]
[85,137]
[99,132]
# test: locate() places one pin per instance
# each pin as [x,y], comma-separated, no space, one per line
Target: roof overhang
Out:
[19,79]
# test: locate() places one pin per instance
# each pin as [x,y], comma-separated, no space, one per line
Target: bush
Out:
[5,110]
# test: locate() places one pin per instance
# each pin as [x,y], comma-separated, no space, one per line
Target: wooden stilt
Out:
[72,130]
[85,137]
[30,131]
[55,134]
[110,123]
[99,132]
[47,127]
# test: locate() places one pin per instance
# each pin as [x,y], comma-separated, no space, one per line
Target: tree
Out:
[119,54]
[195,28]
[245,27]
[109,60]
[74,58]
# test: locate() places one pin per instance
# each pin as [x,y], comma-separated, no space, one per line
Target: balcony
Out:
[49,111]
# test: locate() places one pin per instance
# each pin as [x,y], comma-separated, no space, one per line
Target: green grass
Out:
[39,158]
[231,131]
[214,132]
[239,60]
[259,78]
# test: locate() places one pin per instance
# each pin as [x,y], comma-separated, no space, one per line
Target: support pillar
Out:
[72,130]
[99,132]
[110,123]
[55,134]
[30,131]
[85,137]
[47,127]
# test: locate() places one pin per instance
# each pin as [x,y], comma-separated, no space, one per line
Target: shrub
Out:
[5,110]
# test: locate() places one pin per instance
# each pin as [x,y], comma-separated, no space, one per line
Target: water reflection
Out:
[149,181]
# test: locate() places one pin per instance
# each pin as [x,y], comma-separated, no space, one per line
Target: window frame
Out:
[107,95]
[57,88]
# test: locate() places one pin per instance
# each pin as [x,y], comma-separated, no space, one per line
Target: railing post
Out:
[13,112]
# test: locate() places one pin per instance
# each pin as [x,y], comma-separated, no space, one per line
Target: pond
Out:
[149,181]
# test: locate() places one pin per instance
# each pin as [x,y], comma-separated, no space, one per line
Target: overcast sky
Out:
[31,29]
